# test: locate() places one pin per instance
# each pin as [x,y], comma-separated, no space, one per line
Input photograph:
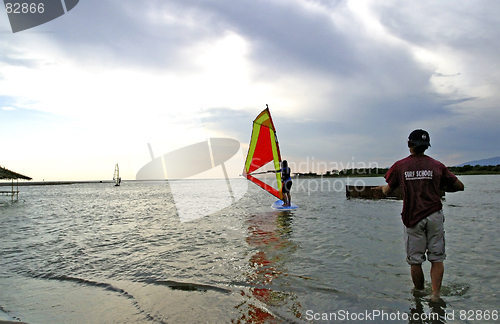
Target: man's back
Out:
[421,178]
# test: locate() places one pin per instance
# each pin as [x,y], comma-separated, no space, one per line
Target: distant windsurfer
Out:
[286,180]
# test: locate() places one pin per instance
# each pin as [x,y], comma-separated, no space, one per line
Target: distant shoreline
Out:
[48,183]
[300,176]
[477,173]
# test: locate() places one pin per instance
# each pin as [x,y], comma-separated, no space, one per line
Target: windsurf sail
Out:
[263,149]
[116,176]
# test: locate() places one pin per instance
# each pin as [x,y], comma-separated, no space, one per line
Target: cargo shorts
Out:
[427,237]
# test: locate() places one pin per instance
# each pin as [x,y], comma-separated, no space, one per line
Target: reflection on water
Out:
[426,309]
[269,236]
[423,309]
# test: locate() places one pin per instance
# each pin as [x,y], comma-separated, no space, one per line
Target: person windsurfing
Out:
[286,180]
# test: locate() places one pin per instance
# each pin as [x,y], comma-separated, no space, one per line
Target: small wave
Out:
[104,285]
[188,286]
[455,289]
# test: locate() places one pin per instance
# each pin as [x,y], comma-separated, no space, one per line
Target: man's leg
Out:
[288,200]
[437,272]
[416,241]
[286,193]
[417,275]
[436,250]
[285,197]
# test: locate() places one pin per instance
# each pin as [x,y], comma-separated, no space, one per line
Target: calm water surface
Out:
[95,253]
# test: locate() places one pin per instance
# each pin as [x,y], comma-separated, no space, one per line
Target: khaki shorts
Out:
[426,237]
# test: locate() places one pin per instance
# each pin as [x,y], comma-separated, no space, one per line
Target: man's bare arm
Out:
[386,190]
[456,186]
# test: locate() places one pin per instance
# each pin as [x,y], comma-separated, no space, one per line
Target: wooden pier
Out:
[369,192]
[6,174]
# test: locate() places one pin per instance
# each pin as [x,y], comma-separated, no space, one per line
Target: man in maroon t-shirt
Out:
[421,178]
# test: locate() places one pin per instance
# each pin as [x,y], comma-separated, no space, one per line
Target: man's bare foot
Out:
[436,301]
[419,292]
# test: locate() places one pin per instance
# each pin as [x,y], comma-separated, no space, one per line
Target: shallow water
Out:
[95,253]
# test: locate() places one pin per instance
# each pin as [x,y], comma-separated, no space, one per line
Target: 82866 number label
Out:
[478,315]
[18,8]
[26,14]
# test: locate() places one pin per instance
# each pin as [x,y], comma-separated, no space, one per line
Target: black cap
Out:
[419,137]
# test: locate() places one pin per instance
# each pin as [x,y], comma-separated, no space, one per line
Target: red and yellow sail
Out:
[263,149]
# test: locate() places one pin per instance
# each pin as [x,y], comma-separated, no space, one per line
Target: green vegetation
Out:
[363,172]
[476,169]
[380,172]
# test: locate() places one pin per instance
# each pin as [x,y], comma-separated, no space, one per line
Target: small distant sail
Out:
[116,176]
[264,149]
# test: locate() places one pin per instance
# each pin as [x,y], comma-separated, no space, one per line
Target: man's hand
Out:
[386,190]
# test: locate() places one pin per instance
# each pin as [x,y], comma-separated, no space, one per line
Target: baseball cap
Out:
[419,137]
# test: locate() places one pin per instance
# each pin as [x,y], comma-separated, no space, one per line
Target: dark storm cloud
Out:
[467,25]
[285,35]
[373,85]
[282,36]
[133,33]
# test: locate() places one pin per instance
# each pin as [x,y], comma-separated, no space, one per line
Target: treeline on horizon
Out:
[459,170]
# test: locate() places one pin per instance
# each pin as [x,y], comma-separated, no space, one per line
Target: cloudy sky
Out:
[346,81]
